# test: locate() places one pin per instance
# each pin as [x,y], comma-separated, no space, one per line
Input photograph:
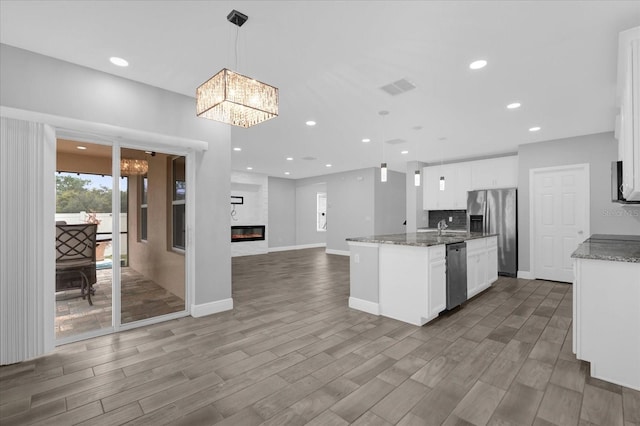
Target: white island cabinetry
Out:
[606,307]
[404,276]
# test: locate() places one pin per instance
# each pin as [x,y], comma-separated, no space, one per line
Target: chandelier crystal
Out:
[235,99]
[130,167]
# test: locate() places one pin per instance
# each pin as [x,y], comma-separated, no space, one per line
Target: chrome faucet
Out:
[441,226]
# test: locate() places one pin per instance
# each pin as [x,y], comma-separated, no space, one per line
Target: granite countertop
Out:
[421,239]
[615,248]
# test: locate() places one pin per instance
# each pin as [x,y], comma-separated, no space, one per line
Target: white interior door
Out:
[559,218]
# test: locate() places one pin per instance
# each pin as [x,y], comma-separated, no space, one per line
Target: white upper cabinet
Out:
[495,173]
[453,194]
[629,118]
[459,178]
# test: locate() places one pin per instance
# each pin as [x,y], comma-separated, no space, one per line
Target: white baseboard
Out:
[298,247]
[211,308]
[338,252]
[526,275]
[364,306]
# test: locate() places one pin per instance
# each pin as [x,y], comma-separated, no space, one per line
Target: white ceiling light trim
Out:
[535,128]
[119,61]
[310,123]
[478,64]
[514,105]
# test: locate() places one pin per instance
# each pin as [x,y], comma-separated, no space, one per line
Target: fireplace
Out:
[247,233]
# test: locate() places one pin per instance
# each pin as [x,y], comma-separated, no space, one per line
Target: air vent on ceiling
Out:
[395,141]
[309,158]
[397,87]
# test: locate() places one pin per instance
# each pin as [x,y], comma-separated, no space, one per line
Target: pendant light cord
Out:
[236,48]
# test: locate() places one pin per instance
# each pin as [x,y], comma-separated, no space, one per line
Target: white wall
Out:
[417,217]
[41,84]
[282,212]
[599,150]
[390,204]
[350,207]
[306,208]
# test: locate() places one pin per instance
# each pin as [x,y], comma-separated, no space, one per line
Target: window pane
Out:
[143,223]
[179,184]
[179,238]
[143,199]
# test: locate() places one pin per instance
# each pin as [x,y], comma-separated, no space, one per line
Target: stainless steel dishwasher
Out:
[456,274]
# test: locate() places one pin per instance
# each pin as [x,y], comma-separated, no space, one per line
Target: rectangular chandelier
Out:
[132,167]
[235,99]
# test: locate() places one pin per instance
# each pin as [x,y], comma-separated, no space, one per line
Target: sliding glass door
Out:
[153,269]
[83,197]
[137,272]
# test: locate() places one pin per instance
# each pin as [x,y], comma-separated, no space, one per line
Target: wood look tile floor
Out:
[292,353]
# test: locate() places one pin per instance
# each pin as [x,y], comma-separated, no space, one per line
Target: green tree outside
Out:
[73,196]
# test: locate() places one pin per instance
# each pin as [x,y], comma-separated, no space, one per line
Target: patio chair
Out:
[76,258]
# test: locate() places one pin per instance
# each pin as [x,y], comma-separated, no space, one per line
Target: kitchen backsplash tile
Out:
[459,218]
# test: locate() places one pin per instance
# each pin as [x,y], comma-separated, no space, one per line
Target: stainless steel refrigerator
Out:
[495,211]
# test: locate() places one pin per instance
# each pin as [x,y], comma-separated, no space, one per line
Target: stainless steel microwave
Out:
[616,184]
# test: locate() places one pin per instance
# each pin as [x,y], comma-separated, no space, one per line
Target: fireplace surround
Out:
[247,233]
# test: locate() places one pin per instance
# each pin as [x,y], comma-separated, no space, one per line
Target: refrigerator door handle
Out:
[485,224]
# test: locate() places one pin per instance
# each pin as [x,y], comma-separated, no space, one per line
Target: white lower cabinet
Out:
[606,319]
[412,282]
[437,300]
[492,260]
[482,264]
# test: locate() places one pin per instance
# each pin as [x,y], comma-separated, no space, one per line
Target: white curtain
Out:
[27,239]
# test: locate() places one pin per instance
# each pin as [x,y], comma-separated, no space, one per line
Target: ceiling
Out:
[330,58]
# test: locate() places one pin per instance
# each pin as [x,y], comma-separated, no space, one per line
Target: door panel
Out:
[153,279]
[560,219]
[84,195]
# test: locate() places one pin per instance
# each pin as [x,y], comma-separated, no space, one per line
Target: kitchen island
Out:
[606,307]
[403,276]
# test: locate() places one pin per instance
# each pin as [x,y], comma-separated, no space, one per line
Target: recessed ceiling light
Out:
[476,65]
[514,105]
[287,173]
[365,140]
[310,123]
[119,61]
[289,158]
[404,152]
[80,147]
[327,165]
[534,129]
[249,168]
[237,148]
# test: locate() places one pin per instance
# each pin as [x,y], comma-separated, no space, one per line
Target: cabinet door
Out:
[495,173]
[463,185]
[437,287]
[492,265]
[472,274]
[450,182]
[482,271]
[630,125]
